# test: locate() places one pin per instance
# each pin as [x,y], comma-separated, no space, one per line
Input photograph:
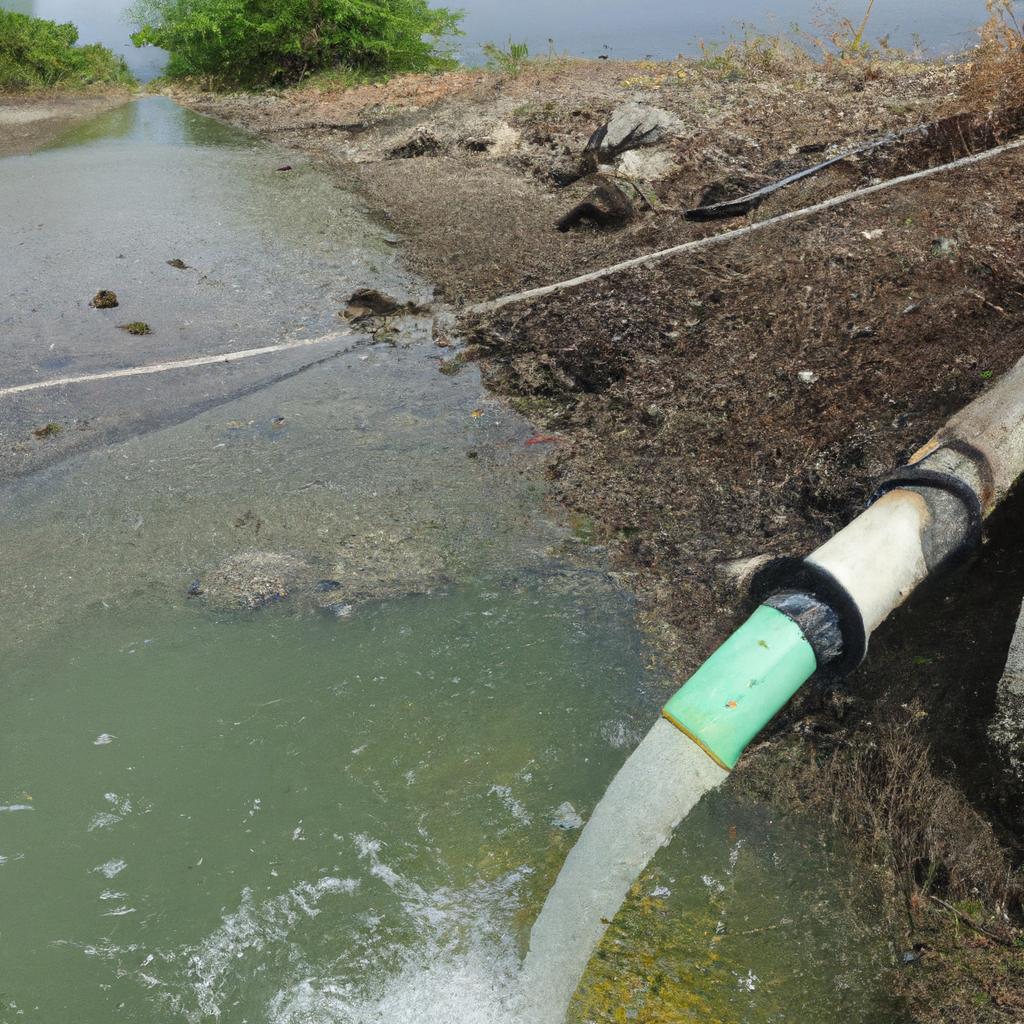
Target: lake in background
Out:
[656,28]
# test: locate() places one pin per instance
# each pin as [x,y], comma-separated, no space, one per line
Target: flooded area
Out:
[306,696]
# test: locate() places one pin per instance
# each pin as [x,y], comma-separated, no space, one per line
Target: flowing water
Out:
[653,792]
[348,806]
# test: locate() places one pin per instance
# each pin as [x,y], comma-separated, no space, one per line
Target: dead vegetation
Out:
[952,897]
[995,76]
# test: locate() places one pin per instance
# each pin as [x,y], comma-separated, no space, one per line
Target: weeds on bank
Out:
[881,790]
[952,899]
[995,77]
[511,60]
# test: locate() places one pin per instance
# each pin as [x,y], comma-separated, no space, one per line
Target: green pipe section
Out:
[743,685]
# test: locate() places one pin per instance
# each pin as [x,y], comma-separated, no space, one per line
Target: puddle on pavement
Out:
[286,815]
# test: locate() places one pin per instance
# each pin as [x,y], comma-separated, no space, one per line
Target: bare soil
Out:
[30,120]
[743,401]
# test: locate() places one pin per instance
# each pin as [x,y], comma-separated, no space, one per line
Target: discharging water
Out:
[347,807]
[657,787]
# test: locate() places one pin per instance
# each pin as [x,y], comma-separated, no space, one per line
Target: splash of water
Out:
[657,787]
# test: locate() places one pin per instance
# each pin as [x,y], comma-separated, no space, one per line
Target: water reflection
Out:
[153,120]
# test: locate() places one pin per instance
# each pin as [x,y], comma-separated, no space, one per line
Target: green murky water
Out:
[208,814]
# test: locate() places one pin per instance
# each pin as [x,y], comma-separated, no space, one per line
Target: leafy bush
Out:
[278,42]
[39,54]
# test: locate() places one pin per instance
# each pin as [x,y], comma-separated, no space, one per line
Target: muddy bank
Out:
[30,120]
[742,401]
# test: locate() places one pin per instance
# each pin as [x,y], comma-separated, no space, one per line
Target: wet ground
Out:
[305,694]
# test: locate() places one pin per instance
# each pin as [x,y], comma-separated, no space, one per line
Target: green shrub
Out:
[39,54]
[280,42]
[512,60]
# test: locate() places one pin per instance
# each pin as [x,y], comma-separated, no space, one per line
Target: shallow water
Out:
[284,815]
[657,28]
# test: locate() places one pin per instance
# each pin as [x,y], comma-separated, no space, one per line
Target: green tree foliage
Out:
[40,54]
[275,42]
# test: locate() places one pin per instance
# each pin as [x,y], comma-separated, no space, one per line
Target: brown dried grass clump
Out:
[995,78]
[883,794]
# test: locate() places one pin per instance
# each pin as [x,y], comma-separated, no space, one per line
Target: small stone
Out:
[567,818]
[807,377]
[326,586]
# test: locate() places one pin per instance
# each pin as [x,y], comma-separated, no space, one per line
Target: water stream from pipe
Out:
[655,789]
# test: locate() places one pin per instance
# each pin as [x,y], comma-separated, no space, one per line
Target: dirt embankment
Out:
[742,400]
[30,120]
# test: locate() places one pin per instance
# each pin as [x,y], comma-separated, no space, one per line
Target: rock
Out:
[631,126]
[339,610]
[637,124]
[1006,729]
[367,303]
[104,299]
[422,142]
[251,579]
[567,818]
[649,165]
[327,586]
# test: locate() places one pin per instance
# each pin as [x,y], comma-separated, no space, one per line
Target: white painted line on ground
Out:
[181,364]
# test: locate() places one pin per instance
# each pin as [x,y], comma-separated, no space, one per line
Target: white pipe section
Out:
[879,558]
[882,555]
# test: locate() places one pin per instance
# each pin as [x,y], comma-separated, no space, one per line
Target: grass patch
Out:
[137,328]
[510,60]
[40,54]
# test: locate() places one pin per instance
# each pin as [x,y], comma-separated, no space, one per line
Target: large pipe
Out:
[814,614]
[818,613]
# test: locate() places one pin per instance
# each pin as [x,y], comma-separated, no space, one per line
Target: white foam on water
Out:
[112,868]
[477,987]
[462,965]
[463,969]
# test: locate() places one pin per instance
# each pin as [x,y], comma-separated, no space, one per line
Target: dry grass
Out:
[996,75]
[881,791]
